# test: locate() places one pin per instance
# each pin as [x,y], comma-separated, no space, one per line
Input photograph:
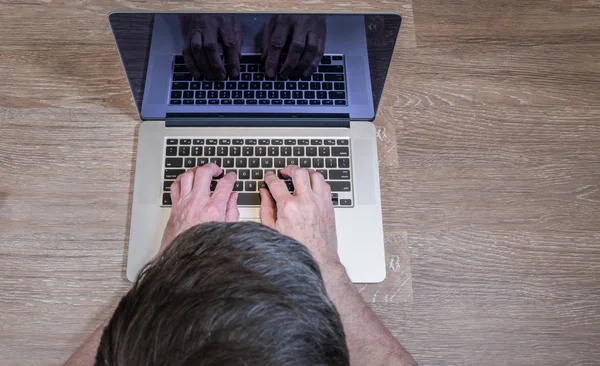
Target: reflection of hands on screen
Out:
[302,36]
[202,34]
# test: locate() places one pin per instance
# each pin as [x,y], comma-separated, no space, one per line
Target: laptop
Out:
[254,122]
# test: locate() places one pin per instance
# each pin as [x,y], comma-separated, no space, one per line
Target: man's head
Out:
[227,294]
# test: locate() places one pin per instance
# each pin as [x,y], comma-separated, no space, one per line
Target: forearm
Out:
[86,353]
[369,342]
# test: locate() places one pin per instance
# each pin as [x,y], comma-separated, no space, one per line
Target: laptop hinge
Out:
[270,120]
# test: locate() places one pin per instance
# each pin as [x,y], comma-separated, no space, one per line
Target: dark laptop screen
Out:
[251,62]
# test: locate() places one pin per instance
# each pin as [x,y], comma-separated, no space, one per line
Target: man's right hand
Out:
[306,215]
[201,34]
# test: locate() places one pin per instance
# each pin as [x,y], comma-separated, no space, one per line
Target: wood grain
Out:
[489,135]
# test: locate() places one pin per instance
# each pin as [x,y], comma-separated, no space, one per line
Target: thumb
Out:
[232,213]
[268,212]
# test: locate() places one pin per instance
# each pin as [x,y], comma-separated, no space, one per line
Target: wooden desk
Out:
[490,165]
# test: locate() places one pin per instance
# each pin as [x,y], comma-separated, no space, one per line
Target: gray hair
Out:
[227,294]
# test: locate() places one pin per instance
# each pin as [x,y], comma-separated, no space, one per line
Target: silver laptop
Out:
[250,122]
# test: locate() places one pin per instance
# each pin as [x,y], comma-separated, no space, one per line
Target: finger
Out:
[277,187]
[267,32]
[240,40]
[187,182]
[317,59]
[211,48]
[175,193]
[200,55]
[233,212]
[295,51]
[190,62]
[204,176]
[299,177]
[224,188]
[310,52]
[268,211]
[317,182]
[229,41]
[276,44]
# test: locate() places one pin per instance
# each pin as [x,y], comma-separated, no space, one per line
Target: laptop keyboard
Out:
[325,87]
[251,158]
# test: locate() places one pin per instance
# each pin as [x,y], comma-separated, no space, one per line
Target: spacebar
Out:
[248,199]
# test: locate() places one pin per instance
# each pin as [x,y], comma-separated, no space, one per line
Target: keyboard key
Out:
[337,186]
[238,141]
[167,185]
[200,101]
[219,85]
[255,85]
[176,94]
[324,151]
[188,101]
[246,76]
[326,60]
[311,151]
[329,142]
[286,150]
[173,173]
[303,86]
[260,151]
[224,141]
[317,77]
[248,151]
[297,94]
[303,142]
[213,185]
[222,151]
[305,162]
[346,202]
[257,174]
[195,85]
[224,94]
[340,151]
[266,162]
[344,163]
[213,94]
[190,162]
[196,151]
[298,151]
[211,141]
[273,151]
[342,142]
[315,86]
[331,163]
[230,85]
[273,94]
[314,101]
[173,162]
[244,174]
[179,60]
[180,85]
[237,94]
[235,151]
[323,172]
[292,161]
[184,150]
[290,185]
[243,85]
[279,85]
[166,199]
[290,85]
[328,102]
[331,68]
[276,101]
[289,101]
[317,163]
[171,141]
[337,58]
[339,174]
[251,59]
[338,86]
[200,94]
[279,163]
[241,162]
[251,101]
[302,102]
[254,162]
[248,199]
[234,171]
[225,101]
[290,142]
[337,95]
[322,94]
[258,77]
[261,94]
[185,141]
[228,163]
[209,151]
[171,151]
[327,86]
[277,142]
[180,68]
[316,142]
[264,141]
[285,94]
[334,77]
[238,187]
[202,161]
[207,85]
[250,186]
[198,141]
[215,161]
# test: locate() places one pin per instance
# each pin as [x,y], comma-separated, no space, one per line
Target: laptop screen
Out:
[194,64]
